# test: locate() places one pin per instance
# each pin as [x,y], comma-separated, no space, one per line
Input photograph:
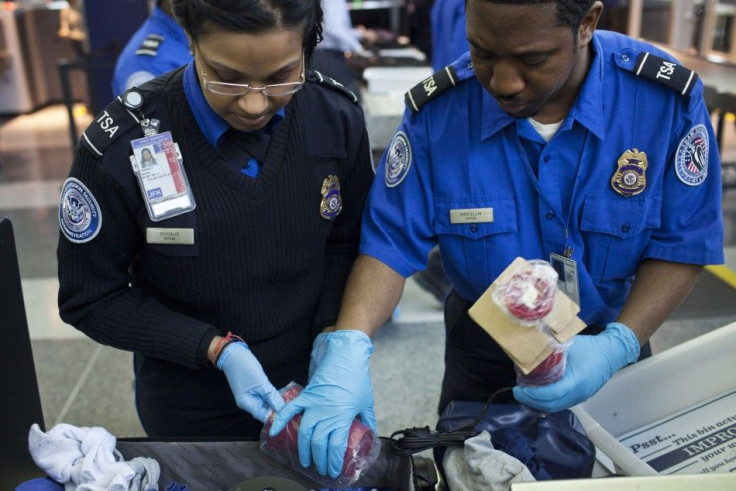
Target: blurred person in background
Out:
[157,47]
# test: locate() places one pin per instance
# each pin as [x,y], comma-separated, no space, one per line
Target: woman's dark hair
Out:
[569,13]
[197,17]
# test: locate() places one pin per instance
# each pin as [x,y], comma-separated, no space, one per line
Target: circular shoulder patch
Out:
[398,159]
[691,160]
[80,219]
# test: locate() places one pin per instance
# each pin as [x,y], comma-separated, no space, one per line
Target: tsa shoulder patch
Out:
[331,82]
[666,72]
[115,120]
[430,87]
[150,45]
[80,219]
[398,159]
[691,160]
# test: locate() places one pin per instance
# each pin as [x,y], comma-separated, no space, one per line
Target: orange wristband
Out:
[229,338]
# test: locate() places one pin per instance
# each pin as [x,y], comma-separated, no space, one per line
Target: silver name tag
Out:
[472,215]
[179,236]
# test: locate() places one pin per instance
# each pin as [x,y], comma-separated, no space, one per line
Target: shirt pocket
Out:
[616,231]
[472,247]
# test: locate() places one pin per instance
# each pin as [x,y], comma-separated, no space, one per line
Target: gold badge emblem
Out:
[331,204]
[630,178]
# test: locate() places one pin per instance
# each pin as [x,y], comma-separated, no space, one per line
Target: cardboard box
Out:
[525,345]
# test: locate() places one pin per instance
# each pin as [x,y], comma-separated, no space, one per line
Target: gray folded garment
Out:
[85,459]
[478,466]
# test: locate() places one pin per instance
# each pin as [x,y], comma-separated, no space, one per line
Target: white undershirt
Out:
[546,131]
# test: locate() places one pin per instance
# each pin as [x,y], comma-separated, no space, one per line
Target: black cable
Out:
[415,440]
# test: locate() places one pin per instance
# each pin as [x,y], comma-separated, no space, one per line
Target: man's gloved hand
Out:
[591,361]
[339,390]
[249,384]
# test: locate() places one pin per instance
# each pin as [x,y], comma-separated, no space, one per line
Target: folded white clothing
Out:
[85,459]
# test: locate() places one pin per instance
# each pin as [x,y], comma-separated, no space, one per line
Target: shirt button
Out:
[625,228]
[550,215]
[625,57]
[474,228]
[546,159]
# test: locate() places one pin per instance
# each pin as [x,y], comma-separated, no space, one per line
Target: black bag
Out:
[560,447]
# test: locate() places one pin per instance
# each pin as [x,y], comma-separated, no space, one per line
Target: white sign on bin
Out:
[698,440]
[673,413]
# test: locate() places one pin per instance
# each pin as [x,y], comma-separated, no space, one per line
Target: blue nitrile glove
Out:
[249,384]
[318,352]
[591,361]
[339,390]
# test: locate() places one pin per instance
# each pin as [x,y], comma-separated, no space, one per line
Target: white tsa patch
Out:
[80,219]
[398,159]
[691,160]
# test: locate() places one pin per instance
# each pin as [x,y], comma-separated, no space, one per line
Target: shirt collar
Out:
[586,110]
[588,107]
[211,124]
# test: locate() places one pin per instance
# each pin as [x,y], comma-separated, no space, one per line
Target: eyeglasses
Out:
[270,90]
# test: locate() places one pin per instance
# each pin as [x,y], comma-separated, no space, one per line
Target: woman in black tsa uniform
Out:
[219,271]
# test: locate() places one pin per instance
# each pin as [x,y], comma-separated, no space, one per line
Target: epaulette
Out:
[150,45]
[430,87]
[334,84]
[119,117]
[666,72]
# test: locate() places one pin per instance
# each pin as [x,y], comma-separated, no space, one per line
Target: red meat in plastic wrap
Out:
[529,297]
[550,370]
[360,439]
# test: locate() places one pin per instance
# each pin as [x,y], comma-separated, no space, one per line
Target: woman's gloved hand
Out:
[249,384]
[339,390]
[591,361]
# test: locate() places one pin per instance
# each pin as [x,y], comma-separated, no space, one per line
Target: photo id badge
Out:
[567,272]
[158,165]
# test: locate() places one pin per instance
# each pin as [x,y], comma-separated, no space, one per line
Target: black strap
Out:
[430,87]
[113,121]
[332,83]
[666,72]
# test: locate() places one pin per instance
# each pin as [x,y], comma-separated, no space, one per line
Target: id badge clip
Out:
[567,275]
[158,165]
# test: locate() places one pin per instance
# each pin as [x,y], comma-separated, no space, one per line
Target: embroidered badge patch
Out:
[79,214]
[691,160]
[398,159]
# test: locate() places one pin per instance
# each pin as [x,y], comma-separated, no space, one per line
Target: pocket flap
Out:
[619,216]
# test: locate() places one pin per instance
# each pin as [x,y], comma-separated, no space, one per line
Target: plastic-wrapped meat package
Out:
[527,298]
[529,295]
[550,370]
[362,451]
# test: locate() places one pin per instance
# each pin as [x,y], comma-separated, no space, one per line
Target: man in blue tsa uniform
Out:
[158,46]
[547,140]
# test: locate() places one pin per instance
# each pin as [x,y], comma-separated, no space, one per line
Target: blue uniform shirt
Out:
[158,46]
[462,152]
